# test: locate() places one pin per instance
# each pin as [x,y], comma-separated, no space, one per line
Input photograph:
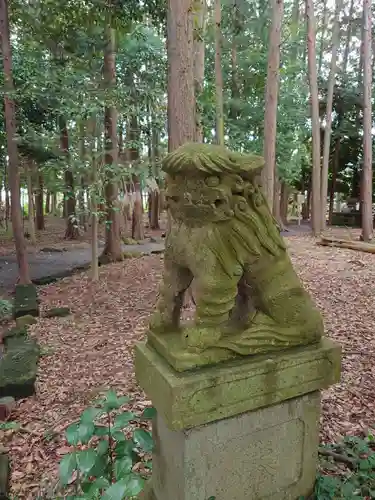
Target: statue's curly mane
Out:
[211,159]
[253,229]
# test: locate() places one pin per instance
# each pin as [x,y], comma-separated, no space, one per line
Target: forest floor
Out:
[92,350]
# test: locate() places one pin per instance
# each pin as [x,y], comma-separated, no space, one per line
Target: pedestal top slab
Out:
[196,397]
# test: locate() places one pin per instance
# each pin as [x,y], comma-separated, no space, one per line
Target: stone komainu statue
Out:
[248,297]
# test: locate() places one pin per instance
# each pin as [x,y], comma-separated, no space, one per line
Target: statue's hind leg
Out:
[266,335]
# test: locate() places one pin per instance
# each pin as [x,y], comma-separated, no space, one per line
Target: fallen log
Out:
[360,246]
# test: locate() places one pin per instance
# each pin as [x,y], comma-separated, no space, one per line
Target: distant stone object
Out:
[4,474]
[58,312]
[26,301]
[249,300]
[19,364]
[26,320]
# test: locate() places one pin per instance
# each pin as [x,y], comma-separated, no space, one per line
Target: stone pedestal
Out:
[246,429]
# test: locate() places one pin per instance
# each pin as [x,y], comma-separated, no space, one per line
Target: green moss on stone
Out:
[18,368]
[57,312]
[26,301]
[25,320]
[4,475]
[129,241]
[249,299]
[16,331]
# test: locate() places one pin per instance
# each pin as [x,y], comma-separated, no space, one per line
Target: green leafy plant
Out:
[101,465]
[347,470]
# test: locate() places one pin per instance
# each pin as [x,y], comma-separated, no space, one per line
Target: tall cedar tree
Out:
[11,132]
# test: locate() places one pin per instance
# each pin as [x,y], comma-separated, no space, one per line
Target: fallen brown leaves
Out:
[92,350]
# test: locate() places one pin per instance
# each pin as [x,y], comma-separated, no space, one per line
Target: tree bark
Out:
[272,90]
[180,47]
[325,19]
[367,218]
[219,76]
[328,241]
[71,232]
[284,197]
[92,132]
[39,215]
[328,127]
[30,197]
[112,251]
[48,202]
[199,56]
[11,133]
[82,188]
[137,215]
[311,52]
[155,195]
[235,86]
[54,204]
[335,169]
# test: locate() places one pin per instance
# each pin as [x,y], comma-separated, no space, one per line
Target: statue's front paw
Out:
[198,338]
[159,324]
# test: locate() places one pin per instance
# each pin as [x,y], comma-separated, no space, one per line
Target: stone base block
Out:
[197,397]
[268,454]
[26,301]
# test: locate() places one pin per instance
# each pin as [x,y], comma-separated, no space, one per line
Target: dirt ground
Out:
[93,350]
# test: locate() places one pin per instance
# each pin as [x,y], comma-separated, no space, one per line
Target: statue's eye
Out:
[212,181]
[219,202]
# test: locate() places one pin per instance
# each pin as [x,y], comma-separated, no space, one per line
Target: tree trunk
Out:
[325,19]
[272,90]
[360,246]
[276,199]
[284,197]
[155,210]
[181,102]
[367,218]
[92,132]
[112,251]
[30,212]
[39,216]
[137,218]
[54,204]
[316,205]
[82,188]
[328,127]
[11,133]
[71,232]
[235,87]
[48,202]
[199,55]
[335,169]
[137,215]
[219,76]
[7,205]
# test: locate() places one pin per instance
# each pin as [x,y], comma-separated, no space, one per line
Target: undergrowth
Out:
[347,470]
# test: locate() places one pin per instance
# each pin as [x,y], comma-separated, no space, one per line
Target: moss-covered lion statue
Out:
[249,300]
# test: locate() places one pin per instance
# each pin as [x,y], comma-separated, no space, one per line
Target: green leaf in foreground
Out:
[129,486]
[123,467]
[67,466]
[143,439]
[149,413]
[86,460]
